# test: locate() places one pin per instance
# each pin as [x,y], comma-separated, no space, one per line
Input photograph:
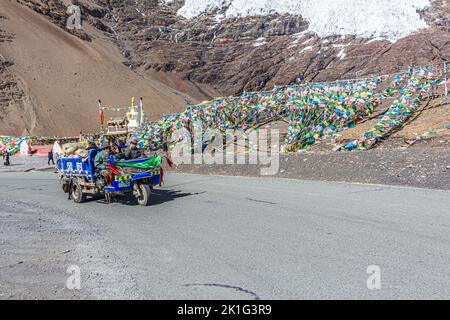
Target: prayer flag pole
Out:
[446,79]
[100,111]
[141,107]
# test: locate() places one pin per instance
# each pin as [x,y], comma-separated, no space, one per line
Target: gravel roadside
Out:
[38,246]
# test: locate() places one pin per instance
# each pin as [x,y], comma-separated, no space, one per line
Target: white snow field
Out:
[387,19]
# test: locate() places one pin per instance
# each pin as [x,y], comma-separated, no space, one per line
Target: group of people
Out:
[101,159]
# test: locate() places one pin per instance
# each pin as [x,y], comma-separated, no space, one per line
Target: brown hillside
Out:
[50,80]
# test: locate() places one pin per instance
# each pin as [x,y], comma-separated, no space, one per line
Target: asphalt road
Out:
[207,237]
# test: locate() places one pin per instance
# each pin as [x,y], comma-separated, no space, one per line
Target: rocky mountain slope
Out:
[11,90]
[237,51]
[191,50]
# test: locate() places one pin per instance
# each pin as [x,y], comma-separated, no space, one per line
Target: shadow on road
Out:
[158,197]
[162,196]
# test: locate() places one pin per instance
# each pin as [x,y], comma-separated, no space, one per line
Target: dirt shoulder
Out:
[36,250]
[425,165]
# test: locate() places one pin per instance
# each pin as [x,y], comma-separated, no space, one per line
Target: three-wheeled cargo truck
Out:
[80,179]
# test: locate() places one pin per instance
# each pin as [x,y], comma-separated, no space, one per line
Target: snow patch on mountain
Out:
[387,19]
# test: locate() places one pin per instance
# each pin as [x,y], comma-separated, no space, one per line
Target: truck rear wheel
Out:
[66,187]
[77,193]
[142,193]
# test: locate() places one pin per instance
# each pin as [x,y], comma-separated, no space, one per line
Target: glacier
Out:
[386,19]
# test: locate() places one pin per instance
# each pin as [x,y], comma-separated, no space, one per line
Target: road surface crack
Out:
[255,296]
[260,201]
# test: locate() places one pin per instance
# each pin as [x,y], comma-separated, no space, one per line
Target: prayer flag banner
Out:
[145,164]
[314,111]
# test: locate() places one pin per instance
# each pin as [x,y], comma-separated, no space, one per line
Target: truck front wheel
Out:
[142,193]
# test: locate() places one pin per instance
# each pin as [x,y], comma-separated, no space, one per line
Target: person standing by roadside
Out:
[50,158]
[6,158]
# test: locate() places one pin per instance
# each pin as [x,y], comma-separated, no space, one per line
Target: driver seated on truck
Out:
[101,160]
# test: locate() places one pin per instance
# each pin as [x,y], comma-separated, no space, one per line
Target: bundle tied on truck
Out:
[76,149]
